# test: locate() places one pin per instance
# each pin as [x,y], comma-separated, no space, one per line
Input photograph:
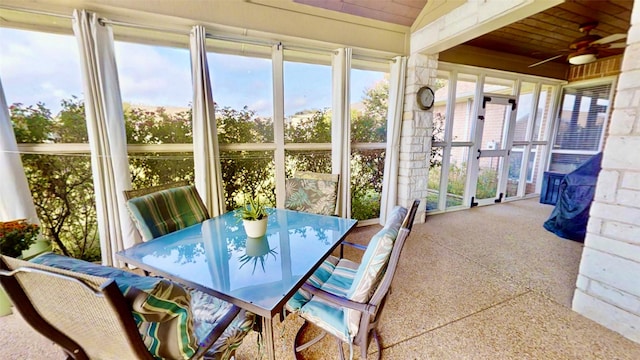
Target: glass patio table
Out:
[257,274]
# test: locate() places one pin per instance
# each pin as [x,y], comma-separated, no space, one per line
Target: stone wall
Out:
[608,285]
[415,139]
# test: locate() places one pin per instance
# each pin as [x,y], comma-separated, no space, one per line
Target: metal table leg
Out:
[269,343]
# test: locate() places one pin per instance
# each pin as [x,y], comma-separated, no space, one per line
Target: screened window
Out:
[45,94]
[369,103]
[47,113]
[155,85]
[242,87]
[581,124]
[307,112]
[243,93]
[307,102]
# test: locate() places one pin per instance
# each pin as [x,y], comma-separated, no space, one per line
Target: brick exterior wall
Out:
[609,66]
[608,285]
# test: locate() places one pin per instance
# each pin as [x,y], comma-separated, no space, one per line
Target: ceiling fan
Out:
[585,49]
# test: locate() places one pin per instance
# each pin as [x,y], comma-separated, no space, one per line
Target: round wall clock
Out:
[425,98]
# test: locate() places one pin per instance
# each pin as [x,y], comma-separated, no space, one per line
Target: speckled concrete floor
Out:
[485,283]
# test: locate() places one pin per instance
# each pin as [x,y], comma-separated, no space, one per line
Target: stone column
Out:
[415,140]
[608,285]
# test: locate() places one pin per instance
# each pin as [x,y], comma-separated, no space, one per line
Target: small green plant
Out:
[252,209]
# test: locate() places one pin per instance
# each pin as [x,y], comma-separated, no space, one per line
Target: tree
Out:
[61,185]
[154,127]
[250,173]
[367,166]
[313,126]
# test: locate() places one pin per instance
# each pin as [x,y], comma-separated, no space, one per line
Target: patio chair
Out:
[163,209]
[312,192]
[344,298]
[91,317]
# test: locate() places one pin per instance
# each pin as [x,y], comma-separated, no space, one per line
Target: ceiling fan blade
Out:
[608,39]
[545,60]
[620,45]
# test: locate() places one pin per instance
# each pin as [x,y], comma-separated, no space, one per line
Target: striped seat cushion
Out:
[166,211]
[317,279]
[354,282]
[171,320]
[332,318]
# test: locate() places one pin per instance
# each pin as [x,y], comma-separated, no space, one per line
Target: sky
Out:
[42,67]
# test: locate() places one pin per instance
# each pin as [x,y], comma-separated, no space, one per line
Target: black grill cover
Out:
[569,218]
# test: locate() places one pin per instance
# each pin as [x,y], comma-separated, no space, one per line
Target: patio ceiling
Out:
[541,36]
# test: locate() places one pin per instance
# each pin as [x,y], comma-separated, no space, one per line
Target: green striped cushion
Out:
[160,307]
[166,211]
[173,323]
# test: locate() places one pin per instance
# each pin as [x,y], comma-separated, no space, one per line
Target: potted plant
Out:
[254,216]
[16,236]
[257,250]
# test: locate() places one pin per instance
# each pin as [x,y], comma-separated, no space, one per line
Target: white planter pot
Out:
[5,303]
[257,246]
[37,248]
[255,228]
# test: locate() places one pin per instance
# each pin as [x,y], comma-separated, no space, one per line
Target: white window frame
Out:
[556,121]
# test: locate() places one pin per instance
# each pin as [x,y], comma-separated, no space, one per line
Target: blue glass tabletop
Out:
[258,274]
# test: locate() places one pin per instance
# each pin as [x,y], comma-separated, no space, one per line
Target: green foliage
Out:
[309,127]
[366,205]
[487,186]
[435,158]
[434,177]
[242,126]
[370,125]
[145,127]
[62,185]
[367,171]
[70,124]
[308,160]
[31,124]
[245,173]
[253,209]
[16,236]
[457,179]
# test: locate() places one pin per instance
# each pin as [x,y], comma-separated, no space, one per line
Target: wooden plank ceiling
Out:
[550,33]
[541,36]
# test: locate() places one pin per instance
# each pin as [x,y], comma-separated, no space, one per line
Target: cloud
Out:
[39,67]
[296,102]
[44,67]
[154,75]
[262,107]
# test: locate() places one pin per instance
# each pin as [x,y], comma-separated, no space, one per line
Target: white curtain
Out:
[341,128]
[15,197]
[394,126]
[206,155]
[107,138]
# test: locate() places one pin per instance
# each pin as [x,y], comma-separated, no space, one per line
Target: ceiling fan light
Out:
[582,59]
